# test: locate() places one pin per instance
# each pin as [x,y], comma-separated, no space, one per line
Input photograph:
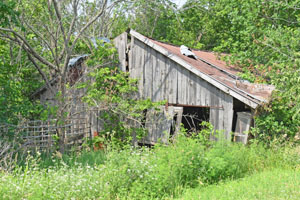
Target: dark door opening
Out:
[192,118]
[238,106]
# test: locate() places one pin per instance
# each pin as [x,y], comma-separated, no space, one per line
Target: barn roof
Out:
[72,62]
[215,71]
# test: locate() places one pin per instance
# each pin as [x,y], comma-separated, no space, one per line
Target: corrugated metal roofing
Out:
[73,61]
[211,65]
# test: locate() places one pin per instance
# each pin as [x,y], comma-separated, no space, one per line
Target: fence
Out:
[42,134]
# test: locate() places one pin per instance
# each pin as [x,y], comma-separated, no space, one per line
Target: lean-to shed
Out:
[205,88]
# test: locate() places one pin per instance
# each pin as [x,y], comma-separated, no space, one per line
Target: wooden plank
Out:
[179,85]
[142,75]
[155,75]
[179,112]
[166,77]
[120,43]
[199,93]
[148,74]
[173,82]
[168,81]
[214,113]
[221,119]
[193,89]
[228,115]
[138,50]
[204,92]
[189,85]
[220,96]
[159,73]
[165,128]
[208,90]
[145,69]
[131,58]
[158,124]
[183,86]
[195,106]
[252,101]
[140,65]
[163,77]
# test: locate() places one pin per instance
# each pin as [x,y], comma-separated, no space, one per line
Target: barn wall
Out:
[78,111]
[160,78]
[46,97]
[120,43]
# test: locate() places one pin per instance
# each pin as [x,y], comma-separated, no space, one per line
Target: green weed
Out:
[142,173]
[272,184]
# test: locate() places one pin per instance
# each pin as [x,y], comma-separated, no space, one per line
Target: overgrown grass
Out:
[161,172]
[85,158]
[273,184]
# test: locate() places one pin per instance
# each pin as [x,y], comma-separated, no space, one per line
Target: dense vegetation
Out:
[158,173]
[261,37]
[37,41]
[272,184]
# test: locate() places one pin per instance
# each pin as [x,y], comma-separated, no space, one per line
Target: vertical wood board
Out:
[120,43]
[228,114]
[172,82]
[158,124]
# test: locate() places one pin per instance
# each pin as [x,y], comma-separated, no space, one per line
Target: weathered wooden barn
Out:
[196,90]
[203,89]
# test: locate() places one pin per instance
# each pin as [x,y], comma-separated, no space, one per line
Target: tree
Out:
[154,18]
[50,33]
[262,38]
[17,78]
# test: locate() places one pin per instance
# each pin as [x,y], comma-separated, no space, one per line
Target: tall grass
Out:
[164,171]
[271,184]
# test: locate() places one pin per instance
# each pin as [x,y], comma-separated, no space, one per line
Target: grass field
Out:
[267,185]
[220,171]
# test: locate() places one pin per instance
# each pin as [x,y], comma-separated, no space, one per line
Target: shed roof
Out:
[215,71]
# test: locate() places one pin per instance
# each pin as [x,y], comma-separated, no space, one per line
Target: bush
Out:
[143,173]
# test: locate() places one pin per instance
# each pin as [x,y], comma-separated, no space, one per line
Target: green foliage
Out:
[271,184]
[130,173]
[115,95]
[7,12]
[276,121]
[262,38]
[17,82]
[156,19]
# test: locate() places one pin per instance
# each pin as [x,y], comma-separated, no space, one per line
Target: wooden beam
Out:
[195,106]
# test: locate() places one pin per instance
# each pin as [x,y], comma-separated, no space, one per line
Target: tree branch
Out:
[90,22]
[42,74]
[29,49]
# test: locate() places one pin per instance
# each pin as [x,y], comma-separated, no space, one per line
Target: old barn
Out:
[202,89]
[195,89]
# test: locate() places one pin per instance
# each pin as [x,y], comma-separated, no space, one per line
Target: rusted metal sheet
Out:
[211,64]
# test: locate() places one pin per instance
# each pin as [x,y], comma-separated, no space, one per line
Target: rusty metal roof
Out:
[211,64]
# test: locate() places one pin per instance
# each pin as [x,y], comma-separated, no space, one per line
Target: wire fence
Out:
[40,135]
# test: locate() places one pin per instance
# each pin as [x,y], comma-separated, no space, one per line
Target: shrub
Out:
[143,173]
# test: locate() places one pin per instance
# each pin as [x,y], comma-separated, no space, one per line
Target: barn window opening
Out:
[192,118]
[173,126]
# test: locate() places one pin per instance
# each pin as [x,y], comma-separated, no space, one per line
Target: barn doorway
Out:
[192,118]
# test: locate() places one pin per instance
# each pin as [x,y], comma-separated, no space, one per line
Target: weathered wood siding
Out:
[160,78]
[120,43]
[158,124]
